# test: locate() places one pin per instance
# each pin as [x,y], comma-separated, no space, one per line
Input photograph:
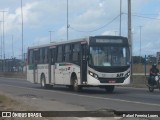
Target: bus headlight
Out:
[96,76]
[127,74]
[93,74]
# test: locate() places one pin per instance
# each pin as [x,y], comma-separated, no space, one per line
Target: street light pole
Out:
[22,26]
[140,27]
[67,20]
[50,35]
[120,17]
[1,38]
[130,34]
[3,42]
[12,48]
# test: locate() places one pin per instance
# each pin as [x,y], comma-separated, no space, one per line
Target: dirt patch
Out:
[11,103]
[6,103]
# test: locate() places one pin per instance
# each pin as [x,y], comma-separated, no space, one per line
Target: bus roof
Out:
[59,43]
[71,41]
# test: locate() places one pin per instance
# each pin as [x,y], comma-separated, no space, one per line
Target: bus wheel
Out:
[109,88]
[43,82]
[76,87]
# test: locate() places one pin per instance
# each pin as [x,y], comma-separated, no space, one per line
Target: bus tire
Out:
[109,88]
[43,81]
[76,87]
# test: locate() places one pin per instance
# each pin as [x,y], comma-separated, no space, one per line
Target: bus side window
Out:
[53,55]
[30,57]
[59,54]
[76,53]
[46,55]
[36,56]
[41,55]
[67,53]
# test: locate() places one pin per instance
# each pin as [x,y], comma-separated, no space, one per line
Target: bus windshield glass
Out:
[109,56]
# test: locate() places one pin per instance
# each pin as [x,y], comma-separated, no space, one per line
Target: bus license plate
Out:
[112,81]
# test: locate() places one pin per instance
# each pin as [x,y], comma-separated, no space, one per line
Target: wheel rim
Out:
[76,85]
[43,84]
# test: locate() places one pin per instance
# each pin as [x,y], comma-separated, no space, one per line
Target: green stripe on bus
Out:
[65,64]
[31,67]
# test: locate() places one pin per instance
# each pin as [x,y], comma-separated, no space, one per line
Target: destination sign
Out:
[118,41]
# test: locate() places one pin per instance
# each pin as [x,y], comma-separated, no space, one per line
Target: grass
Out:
[4,99]
[6,103]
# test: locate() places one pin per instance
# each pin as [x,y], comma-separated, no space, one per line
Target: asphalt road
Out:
[123,98]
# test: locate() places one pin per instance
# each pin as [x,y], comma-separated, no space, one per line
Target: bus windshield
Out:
[109,56]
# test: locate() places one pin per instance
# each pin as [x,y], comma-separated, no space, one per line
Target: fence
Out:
[11,65]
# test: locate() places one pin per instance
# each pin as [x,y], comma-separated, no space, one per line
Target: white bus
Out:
[102,61]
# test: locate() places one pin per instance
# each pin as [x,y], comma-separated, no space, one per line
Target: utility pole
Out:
[130,35]
[3,42]
[120,17]
[51,35]
[1,38]
[67,20]
[22,26]
[140,27]
[12,48]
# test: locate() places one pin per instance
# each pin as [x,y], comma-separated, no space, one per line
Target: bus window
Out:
[42,55]
[46,55]
[30,56]
[67,53]
[59,54]
[76,53]
[36,56]
[53,55]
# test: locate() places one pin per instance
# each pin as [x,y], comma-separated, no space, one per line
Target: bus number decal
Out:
[120,75]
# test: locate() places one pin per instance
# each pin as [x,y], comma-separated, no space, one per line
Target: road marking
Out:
[88,96]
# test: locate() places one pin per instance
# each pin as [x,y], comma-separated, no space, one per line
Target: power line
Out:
[142,16]
[96,28]
[151,14]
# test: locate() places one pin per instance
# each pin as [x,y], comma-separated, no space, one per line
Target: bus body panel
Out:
[52,74]
[43,69]
[36,75]
[94,82]
[63,72]
[58,74]
[103,78]
[30,74]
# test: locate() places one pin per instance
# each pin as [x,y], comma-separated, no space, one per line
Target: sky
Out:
[85,18]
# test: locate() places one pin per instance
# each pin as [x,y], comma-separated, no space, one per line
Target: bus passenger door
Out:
[52,58]
[83,70]
[35,62]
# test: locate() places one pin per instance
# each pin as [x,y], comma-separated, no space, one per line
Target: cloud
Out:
[150,39]
[110,33]
[40,16]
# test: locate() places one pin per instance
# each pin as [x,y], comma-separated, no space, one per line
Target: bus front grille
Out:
[111,80]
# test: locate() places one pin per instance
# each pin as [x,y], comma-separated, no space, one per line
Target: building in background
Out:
[11,65]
